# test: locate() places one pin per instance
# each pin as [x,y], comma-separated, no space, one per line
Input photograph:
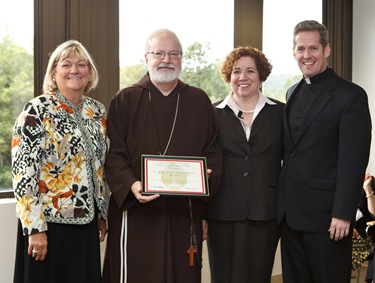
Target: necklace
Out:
[243,111]
[174,123]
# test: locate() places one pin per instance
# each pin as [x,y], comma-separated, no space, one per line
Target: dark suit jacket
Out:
[250,168]
[323,170]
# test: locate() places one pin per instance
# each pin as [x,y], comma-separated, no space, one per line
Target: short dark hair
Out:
[311,25]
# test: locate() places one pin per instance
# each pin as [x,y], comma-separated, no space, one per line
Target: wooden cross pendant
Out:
[191,251]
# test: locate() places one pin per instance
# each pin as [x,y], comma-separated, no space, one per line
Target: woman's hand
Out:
[367,184]
[205,229]
[102,229]
[355,233]
[38,246]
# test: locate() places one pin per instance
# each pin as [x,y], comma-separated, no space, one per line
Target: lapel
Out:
[323,97]
[291,91]
[259,120]
[233,121]
[289,96]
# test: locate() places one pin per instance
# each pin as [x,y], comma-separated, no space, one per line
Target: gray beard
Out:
[164,77]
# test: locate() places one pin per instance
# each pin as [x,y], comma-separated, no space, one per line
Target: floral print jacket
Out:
[58,154]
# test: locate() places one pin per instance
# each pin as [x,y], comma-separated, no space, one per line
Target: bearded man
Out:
[149,235]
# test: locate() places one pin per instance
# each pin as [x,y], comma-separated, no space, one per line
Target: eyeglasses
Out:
[161,54]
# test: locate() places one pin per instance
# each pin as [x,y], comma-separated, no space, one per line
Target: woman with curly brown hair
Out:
[242,230]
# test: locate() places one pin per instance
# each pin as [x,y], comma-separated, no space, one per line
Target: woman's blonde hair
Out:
[64,50]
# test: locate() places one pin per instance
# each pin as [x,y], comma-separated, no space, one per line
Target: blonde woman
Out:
[58,151]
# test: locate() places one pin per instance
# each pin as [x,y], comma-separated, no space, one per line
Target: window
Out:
[203,26]
[279,19]
[200,25]
[16,76]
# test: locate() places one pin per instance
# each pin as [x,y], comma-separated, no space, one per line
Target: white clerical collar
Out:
[307,80]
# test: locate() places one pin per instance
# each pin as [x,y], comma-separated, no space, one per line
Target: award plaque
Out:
[174,175]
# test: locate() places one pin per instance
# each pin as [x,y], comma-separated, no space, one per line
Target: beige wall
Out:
[8,232]
[364,57]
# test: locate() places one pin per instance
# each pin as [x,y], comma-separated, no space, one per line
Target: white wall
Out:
[8,232]
[364,57]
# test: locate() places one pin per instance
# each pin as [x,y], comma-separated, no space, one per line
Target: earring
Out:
[54,80]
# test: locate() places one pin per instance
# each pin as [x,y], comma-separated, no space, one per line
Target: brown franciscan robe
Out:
[149,242]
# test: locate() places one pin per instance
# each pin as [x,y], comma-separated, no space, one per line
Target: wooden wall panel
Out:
[49,31]
[248,23]
[338,18]
[95,23]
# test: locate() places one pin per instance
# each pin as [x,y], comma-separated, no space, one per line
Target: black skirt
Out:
[73,256]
